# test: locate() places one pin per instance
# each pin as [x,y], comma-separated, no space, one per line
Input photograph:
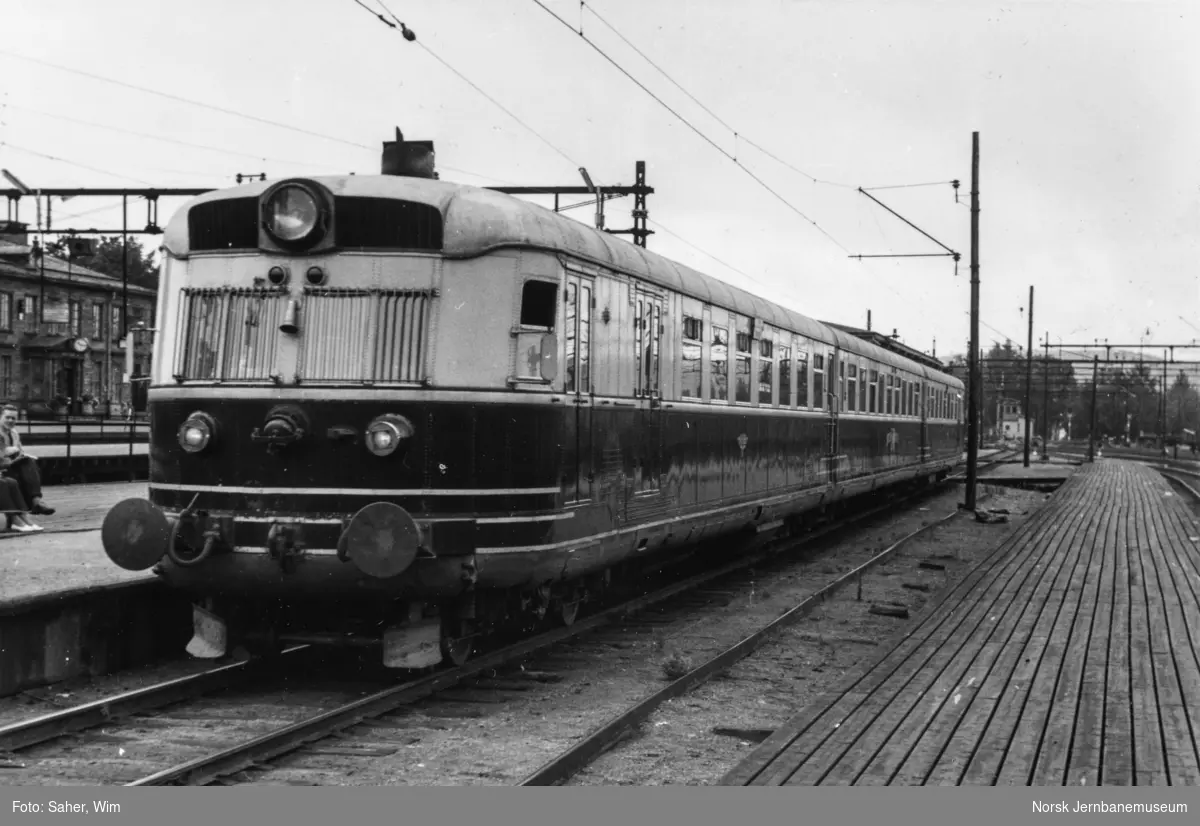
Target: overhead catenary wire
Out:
[188,101]
[411,36]
[737,135]
[73,163]
[203,105]
[692,127]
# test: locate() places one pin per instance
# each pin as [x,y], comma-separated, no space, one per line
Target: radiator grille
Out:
[228,334]
[364,335]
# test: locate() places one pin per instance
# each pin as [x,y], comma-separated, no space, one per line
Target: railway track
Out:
[359,703]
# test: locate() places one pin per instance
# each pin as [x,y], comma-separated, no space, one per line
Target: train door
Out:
[578,385]
[648,333]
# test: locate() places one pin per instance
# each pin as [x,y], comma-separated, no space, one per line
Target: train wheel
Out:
[458,641]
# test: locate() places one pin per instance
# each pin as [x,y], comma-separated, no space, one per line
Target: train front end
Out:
[307,483]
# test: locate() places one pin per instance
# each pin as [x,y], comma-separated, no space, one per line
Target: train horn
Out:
[291,319]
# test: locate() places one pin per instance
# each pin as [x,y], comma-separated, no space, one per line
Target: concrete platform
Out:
[67,557]
[1069,656]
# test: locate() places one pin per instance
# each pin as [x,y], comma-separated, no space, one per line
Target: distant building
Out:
[1010,424]
[60,332]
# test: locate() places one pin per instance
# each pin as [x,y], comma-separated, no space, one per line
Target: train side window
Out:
[841,388]
[691,378]
[719,361]
[571,331]
[818,398]
[802,374]
[742,378]
[873,388]
[585,338]
[577,334]
[766,371]
[852,385]
[863,372]
[785,376]
[647,335]
[539,304]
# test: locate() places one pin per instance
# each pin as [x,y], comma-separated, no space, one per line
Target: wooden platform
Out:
[1068,656]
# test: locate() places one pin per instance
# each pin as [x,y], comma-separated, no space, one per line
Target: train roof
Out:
[477,221]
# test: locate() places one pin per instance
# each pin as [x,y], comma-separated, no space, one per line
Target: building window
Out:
[6,376]
[98,317]
[30,313]
[75,320]
[118,329]
[6,308]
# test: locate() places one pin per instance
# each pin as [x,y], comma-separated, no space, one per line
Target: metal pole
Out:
[1028,379]
[973,413]
[128,338]
[1162,430]
[1092,430]
[1046,401]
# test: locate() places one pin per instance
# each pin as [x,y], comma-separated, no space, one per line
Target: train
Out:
[398,411]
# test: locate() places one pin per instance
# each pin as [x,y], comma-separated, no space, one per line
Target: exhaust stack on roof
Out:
[411,159]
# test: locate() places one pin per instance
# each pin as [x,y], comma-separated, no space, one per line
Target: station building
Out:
[61,327]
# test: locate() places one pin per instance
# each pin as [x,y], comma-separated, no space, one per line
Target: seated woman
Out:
[12,505]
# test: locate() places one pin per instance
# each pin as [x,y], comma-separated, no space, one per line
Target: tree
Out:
[143,271]
[1183,406]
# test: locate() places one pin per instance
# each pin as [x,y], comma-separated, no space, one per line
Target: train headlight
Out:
[197,432]
[292,214]
[387,433]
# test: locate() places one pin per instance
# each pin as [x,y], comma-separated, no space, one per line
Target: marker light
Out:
[386,433]
[197,432]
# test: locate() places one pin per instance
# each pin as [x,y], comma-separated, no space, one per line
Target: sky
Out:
[771,114]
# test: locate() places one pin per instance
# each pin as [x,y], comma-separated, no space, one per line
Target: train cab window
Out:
[742,378]
[719,360]
[818,397]
[690,377]
[852,385]
[539,300]
[766,371]
[802,375]
[785,376]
